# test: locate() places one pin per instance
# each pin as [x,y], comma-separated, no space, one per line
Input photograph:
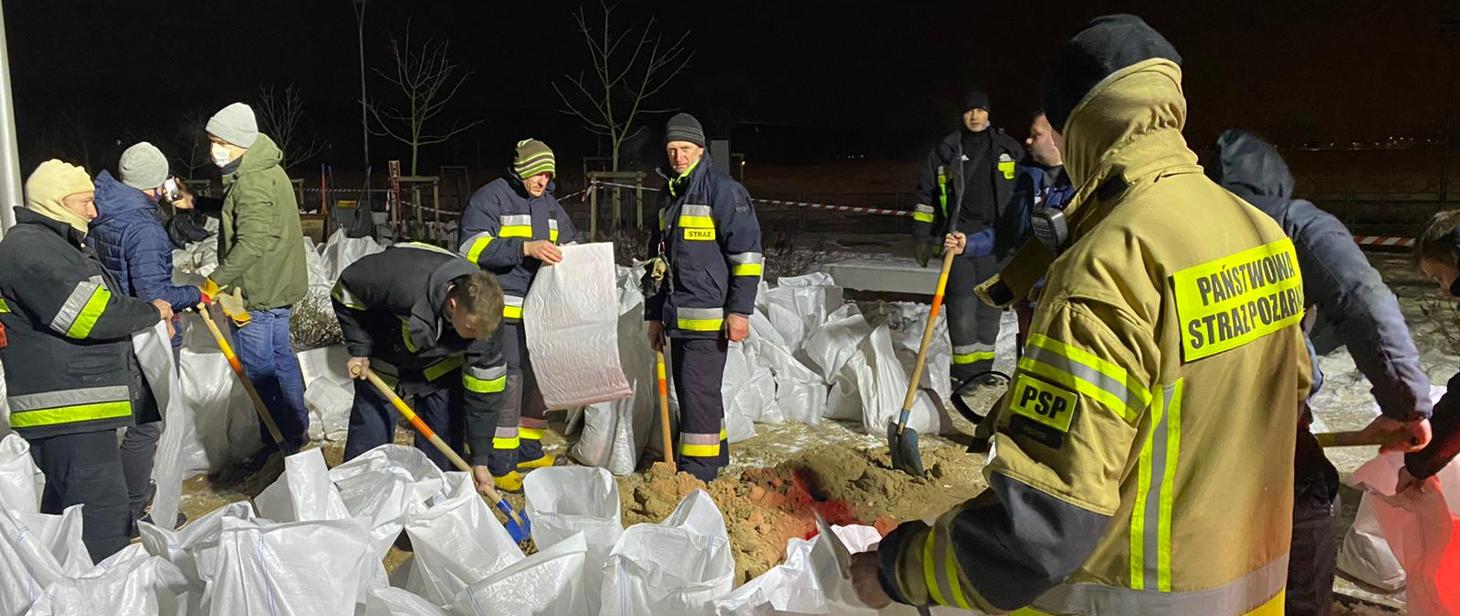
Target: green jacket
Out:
[260,245]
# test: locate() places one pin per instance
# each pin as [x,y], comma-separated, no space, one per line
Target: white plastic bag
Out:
[882,383]
[457,541]
[340,251]
[572,330]
[798,305]
[223,416]
[171,464]
[328,392]
[37,550]
[384,485]
[129,582]
[614,433]
[303,493]
[565,501]
[677,567]
[800,391]
[313,568]
[21,482]
[4,405]
[547,583]
[398,602]
[1365,554]
[1423,530]
[194,549]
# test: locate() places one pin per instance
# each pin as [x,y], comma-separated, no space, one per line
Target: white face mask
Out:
[221,155]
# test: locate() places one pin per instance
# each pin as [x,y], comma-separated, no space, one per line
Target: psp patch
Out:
[1049,405]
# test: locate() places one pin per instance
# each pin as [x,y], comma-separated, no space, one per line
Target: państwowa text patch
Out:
[1050,405]
[1231,301]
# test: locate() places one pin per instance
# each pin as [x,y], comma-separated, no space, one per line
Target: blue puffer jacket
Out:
[133,246]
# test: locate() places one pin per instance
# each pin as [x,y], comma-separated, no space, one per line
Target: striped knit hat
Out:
[533,157]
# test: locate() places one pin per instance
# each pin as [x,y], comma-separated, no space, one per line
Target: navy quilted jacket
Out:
[133,246]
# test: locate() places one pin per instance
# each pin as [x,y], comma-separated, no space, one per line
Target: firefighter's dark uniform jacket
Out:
[498,219]
[710,237]
[941,177]
[391,305]
[68,359]
[1143,458]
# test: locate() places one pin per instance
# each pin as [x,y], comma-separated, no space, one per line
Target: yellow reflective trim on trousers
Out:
[699,451]
[1138,511]
[530,433]
[695,222]
[701,325]
[747,269]
[71,414]
[968,358]
[512,312]
[90,313]
[484,386]
[499,442]
[930,576]
[922,217]
[1168,487]
[515,231]
[481,243]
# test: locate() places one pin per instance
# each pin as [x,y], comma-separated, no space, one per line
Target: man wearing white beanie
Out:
[132,245]
[261,271]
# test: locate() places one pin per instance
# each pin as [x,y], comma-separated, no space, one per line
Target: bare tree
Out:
[629,68]
[190,142]
[428,80]
[279,115]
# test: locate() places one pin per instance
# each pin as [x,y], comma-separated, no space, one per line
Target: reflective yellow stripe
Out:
[483,386]
[481,243]
[701,325]
[511,312]
[968,358]
[724,434]
[1082,371]
[345,297]
[530,433]
[4,307]
[696,222]
[553,235]
[442,367]
[405,334]
[1168,486]
[747,269]
[1273,607]
[921,217]
[950,570]
[930,576]
[515,231]
[499,442]
[1138,512]
[70,414]
[699,451]
[90,313]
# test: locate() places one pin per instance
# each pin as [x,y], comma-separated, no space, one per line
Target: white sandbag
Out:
[223,416]
[37,550]
[303,493]
[129,582]
[383,485]
[836,340]
[572,329]
[1365,554]
[798,305]
[614,433]
[4,405]
[174,461]
[328,392]
[1423,530]
[398,602]
[193,550]
[882,383]
[749,394]
[457,541]
[679,566]
[547,583]
[800,391]
[565,501]
[340,251]
[21,481]
[905,322]
[314,568]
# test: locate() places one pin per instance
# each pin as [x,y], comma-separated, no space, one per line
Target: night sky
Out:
[880,78]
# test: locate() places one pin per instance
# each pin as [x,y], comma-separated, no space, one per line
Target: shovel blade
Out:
[519,532]
[904,449]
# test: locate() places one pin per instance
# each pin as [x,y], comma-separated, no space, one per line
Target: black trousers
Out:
[698,366]
[1313,555]
[373,419]
[524,414]
[86,469]
[973,326]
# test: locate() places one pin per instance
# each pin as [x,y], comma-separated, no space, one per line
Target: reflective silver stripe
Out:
[1234,598]
[466,245]
[100,282]
[487,374]
[506,432]
[696,210]
[70,310]
[700,313]
[69,397]
[965,349]
[425,246]
[923,208]
[1151,526]
[747,257]
[516,220]
[512,300]
[552,223]
[534,423]
[700,439]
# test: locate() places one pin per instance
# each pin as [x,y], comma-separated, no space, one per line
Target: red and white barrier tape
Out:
[1384,241]
[803,204]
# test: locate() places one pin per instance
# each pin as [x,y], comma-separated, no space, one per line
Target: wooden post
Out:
[617,210]
[592,209]
[392,198]
[639,201]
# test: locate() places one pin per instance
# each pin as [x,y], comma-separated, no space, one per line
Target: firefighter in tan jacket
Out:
[1143,456]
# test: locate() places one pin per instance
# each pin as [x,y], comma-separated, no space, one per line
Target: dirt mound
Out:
[765,507]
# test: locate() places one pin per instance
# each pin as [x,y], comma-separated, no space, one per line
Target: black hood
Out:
[1251,168]
[1108,44]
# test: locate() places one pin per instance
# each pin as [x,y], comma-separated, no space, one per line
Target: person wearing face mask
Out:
[66,342]
[971,170]
[1437,256]
[133,246]
[1042,182]
[512,227]
[261,270]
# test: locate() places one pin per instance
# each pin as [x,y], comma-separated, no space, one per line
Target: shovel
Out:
[518,526]
[253,394]
[1355,438]
[664,409]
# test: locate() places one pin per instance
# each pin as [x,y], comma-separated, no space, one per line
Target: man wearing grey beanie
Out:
[261,271]
[129,240]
